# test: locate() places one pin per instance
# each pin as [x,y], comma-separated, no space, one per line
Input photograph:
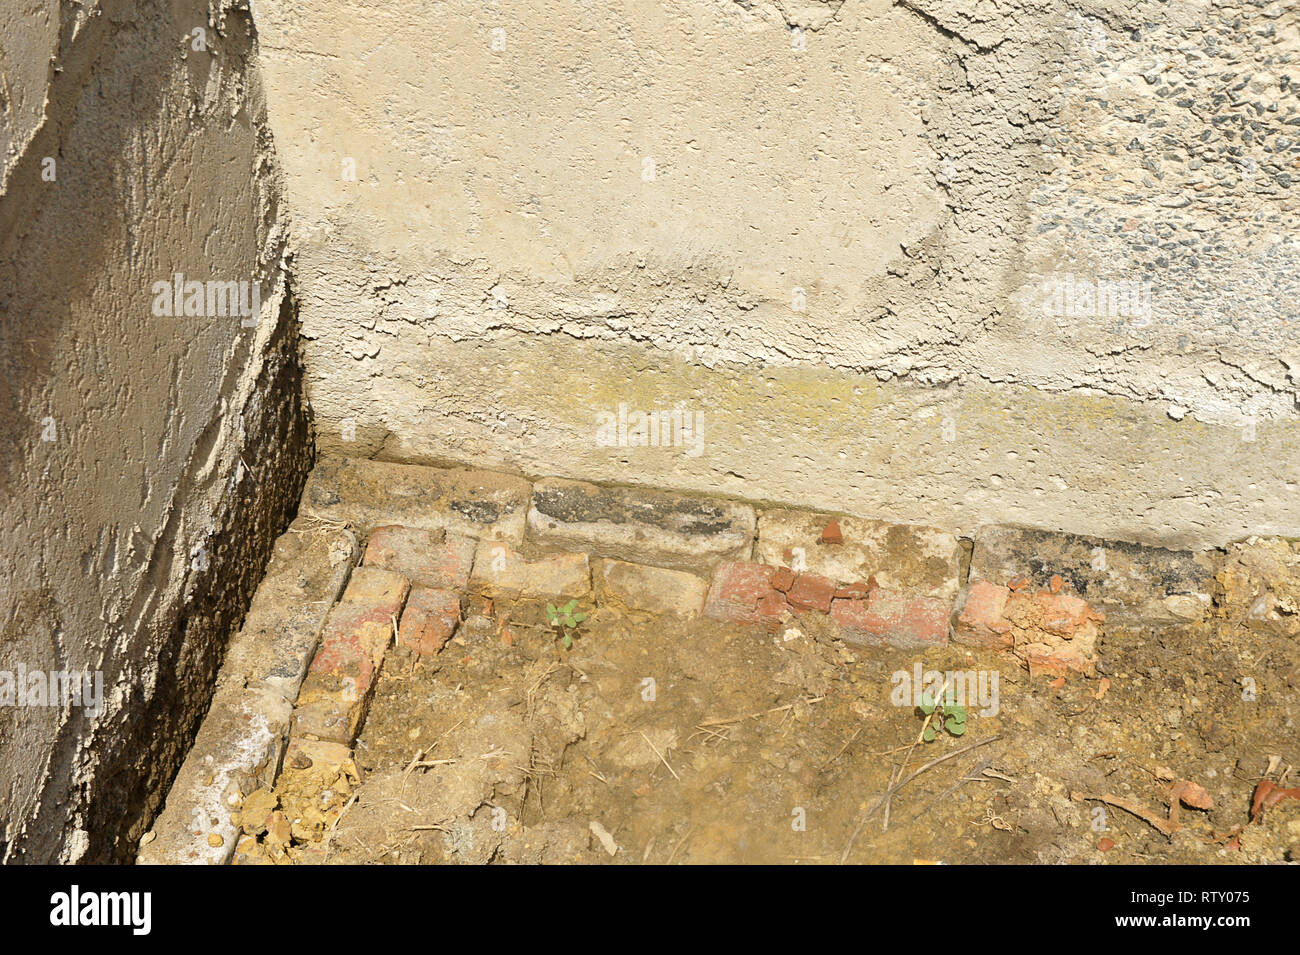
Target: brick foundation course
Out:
[368,494]
[445,538]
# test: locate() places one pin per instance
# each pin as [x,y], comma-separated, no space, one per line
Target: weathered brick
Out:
[431,558]
[367,494]
[743,593]
[644,526]
[1130,583]
[980,617]
[308,569]
[1054,632]
[811,592]
[334,715]
[354,641]
[501,569]
[920,560]
[379,589]
[334,697]
[429,619]
[1049,630]
[893,618]
[650,589]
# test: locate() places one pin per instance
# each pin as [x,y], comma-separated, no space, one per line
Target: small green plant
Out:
[946,716]
[564,621]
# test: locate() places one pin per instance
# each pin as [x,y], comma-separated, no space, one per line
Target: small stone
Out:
[215,840]
[257,806]
[277,828]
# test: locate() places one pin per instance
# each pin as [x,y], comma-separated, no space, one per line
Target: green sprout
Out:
[947,716]
[564,621]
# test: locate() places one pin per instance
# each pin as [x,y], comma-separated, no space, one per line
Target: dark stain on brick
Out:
[571,504]
[480,512]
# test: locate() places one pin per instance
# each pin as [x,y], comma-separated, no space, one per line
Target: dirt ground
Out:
[670,741]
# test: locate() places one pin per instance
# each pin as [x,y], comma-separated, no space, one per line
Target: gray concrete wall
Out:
[150,460]
[863,239]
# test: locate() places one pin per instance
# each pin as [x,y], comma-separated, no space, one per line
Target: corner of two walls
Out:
[153,459]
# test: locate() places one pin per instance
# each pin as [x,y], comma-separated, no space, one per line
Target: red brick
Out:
[1049,630]
[1055,633]
[1064,613]
[334,697]
[429,620]
[856,591]
[353,644]
[427,557]
[831,533]
[893,618]
[743,593]
[811,592]
[783,579]
[981,622]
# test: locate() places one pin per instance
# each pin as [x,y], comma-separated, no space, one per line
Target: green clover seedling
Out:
[564,621]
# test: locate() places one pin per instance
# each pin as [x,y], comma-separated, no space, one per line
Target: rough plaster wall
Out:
[130,543]
[500,272]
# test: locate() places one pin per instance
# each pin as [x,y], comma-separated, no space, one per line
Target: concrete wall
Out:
[149,461]
[840,231]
